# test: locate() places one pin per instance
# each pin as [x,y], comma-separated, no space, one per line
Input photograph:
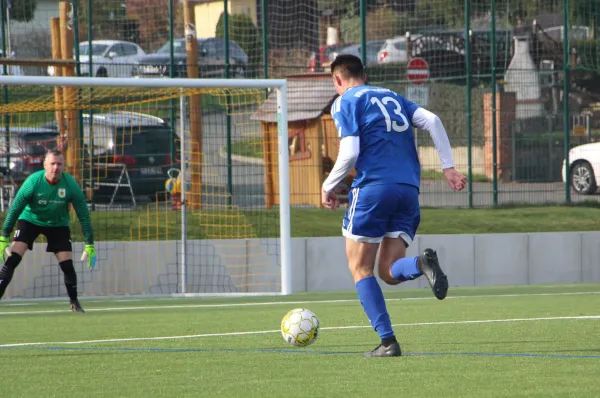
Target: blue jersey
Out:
[381,119]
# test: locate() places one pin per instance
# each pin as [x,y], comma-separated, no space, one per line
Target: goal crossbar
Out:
[142,82]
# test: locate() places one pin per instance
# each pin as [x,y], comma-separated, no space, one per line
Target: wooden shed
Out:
[312,140]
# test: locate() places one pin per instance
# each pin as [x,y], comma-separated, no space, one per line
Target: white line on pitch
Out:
[19,304]
[128,300]
[66,302]
[193,336]
[267,303]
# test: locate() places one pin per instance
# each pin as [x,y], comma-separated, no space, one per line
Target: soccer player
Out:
[42,207]
[375,126]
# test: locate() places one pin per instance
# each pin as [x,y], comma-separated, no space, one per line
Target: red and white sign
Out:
[417,71]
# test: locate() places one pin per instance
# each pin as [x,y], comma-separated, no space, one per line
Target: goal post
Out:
[207,229]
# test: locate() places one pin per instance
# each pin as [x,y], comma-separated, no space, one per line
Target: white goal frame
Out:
[280,85]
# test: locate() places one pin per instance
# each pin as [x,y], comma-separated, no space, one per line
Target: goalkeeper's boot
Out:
[392,350]
[430,267]
[76,307]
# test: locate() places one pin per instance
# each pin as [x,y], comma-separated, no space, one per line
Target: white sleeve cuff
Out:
[347,155]
[426,120]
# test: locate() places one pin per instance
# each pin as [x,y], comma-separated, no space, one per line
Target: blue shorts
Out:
[378,211]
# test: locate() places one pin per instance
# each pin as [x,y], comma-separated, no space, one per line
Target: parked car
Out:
[324,57]
[584,168]
[211,59]
[27,148]
[139,141]
[393,50]
[12,70]
[110,58]
[373,48]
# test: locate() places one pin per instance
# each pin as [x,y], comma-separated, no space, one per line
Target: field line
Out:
[299,302]
[195,336]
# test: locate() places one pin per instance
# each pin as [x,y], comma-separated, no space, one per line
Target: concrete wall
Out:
[469,260]
[319,264]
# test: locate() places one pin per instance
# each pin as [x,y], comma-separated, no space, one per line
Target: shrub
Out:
[243,31]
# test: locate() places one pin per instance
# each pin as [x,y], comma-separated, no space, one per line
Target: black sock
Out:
[388,341]
[70,278]
[7,271]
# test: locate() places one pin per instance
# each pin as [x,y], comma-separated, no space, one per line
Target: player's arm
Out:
[18,205]
[423,119]
[346,159]
[80,206]
[344,115]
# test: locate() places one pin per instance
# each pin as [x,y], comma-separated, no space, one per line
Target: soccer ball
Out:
[300,327]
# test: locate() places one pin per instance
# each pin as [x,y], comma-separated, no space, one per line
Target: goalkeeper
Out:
[42,207]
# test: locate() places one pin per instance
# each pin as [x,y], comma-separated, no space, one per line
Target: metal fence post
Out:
[566,78]
[363,32]
[468,77]
[228,105]
[76,40]
[494,132]
[172,104]
[5,89]
[265,47]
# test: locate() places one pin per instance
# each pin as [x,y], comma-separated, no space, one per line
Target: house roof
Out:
[308,97]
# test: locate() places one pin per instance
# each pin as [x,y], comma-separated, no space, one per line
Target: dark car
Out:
[138,141]
[373,48]
[211,60]
[27,148]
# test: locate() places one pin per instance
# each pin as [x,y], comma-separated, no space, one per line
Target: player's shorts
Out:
[59,238]
[378,211]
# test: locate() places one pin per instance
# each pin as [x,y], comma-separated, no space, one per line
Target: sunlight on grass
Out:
[117,226]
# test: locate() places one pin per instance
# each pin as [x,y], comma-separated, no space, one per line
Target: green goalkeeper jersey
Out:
[47,205]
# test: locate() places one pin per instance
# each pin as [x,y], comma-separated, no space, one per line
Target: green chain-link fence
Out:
[514,81]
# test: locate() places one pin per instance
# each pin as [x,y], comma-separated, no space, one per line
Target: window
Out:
[117,49]
[147,140]
[215,48]
[38,144]
[235,50]
[129,49]
[178,47]
[97,49]
[400,45]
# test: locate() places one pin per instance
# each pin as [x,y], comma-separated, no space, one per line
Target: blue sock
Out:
[406,269]
[373,302]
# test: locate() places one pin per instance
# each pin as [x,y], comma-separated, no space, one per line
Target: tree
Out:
[243,31]
[351,8]
[153,19]
[20,10]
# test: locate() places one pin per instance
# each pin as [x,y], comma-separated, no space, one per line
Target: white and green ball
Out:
[300,327]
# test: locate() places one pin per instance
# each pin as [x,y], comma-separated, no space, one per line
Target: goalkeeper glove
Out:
[4,253]
[89,254]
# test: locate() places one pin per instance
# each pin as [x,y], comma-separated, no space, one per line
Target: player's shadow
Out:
[448,343]
[334,346]
[473,343]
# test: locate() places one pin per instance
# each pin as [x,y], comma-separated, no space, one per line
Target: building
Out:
[208,13]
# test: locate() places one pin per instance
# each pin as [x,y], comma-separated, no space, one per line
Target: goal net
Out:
[175,173]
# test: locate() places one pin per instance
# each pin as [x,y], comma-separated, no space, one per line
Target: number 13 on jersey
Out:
[391,123]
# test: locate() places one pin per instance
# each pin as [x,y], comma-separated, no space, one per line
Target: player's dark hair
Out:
[350,66]
[54,152]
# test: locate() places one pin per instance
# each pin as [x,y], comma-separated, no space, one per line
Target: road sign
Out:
[417,71]
[419,95]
